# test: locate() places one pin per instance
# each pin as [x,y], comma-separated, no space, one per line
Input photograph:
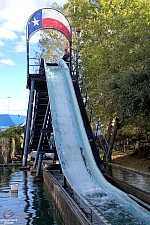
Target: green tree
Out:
[130,94]
[16,134]
[114,33]
[130,98]
[114,37]
[114,41]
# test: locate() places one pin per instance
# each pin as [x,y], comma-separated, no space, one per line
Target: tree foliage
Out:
[130,94]
[115,57]
[15,133]
[114,33]
[114,37]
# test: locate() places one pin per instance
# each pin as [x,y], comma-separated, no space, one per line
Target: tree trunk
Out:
[112,139]
[108,137]
[109,131]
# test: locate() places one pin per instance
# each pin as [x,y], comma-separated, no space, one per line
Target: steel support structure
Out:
[28,123]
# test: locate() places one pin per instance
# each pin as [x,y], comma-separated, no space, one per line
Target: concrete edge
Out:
[129,168]
[67,207]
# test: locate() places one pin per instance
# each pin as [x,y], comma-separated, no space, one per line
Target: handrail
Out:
[98,131]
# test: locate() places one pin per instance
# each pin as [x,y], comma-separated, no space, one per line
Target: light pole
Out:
[8,103]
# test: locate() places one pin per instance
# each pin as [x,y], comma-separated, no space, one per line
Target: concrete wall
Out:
[68,208]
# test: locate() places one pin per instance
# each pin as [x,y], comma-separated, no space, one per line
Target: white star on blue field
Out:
[35,22]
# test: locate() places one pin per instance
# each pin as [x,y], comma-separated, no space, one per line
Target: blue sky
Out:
[14,15]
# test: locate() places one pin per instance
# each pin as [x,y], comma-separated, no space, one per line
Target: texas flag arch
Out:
[48,18]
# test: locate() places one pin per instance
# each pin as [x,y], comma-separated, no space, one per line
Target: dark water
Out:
[31,205]
[138,180]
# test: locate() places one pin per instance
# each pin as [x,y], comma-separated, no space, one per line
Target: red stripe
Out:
[55,24]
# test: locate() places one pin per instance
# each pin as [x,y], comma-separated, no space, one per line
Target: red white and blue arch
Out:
[48,18]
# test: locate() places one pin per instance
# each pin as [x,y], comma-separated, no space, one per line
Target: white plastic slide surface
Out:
[75,154]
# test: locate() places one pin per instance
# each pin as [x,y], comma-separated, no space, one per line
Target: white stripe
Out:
[54,14]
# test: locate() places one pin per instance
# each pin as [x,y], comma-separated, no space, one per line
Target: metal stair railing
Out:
[98,131]
[96,126]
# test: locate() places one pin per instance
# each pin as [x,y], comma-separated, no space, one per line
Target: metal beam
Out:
[28,124]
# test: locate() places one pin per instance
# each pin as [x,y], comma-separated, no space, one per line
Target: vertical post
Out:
[27,59]
[39,165]
[71,53]
[28,123]
[65,182]
[78,54]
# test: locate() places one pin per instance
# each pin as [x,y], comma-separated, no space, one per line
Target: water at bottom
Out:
[32,204]
[117,214]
